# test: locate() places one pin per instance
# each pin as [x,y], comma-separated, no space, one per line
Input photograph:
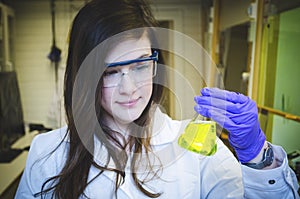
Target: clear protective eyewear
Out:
[140,70]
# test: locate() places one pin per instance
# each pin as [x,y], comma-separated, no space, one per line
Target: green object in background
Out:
[286,132]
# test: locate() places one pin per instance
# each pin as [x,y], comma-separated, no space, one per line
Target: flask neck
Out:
[200,117]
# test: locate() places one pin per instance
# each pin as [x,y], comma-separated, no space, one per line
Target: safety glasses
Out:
[139,70]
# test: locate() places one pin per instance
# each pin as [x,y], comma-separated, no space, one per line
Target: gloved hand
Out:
[238,115]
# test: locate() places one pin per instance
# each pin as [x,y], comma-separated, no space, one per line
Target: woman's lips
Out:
[129,103]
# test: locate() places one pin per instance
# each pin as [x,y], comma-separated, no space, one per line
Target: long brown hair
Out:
[95,22]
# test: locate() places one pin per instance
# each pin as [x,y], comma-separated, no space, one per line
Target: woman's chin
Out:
[127,117]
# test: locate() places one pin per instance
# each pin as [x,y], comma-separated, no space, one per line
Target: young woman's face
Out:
[126,101]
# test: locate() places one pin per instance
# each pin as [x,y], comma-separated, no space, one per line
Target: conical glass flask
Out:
[199,136]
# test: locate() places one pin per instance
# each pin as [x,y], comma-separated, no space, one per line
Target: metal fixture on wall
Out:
[55,52]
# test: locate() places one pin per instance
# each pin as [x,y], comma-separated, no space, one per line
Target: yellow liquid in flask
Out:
[199,136]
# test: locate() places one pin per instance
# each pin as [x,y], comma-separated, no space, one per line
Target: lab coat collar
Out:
[164,129]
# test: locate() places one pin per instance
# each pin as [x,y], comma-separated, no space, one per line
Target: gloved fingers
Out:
[218,115]
[224,94]
[243,119]
[223,104]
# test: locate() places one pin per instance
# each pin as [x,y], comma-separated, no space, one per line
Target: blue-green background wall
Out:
[287,85]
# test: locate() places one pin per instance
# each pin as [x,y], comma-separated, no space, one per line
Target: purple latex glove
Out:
[238,115]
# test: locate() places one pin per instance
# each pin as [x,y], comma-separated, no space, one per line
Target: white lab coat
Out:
[185,175]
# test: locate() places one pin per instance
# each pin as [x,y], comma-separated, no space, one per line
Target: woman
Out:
[135,154]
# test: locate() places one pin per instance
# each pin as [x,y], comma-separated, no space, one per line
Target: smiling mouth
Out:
[129,103]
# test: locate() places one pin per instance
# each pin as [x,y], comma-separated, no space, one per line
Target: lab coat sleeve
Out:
[41,164]
[25,189]
[280,182]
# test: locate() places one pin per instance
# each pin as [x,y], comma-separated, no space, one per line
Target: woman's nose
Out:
[127,84]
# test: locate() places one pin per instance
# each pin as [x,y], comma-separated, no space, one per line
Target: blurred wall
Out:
[33,43]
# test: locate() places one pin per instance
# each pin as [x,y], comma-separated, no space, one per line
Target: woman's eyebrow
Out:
[140,57]
[144,55]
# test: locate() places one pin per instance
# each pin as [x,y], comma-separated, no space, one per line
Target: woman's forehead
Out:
[129,49]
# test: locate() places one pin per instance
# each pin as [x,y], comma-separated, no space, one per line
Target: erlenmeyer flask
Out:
[199,136]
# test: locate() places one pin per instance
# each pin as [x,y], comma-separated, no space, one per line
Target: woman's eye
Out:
[141,66]
[110,72]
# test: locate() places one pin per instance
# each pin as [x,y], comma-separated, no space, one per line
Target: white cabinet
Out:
[7,32]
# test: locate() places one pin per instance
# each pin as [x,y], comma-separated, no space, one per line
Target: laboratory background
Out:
[254,45]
